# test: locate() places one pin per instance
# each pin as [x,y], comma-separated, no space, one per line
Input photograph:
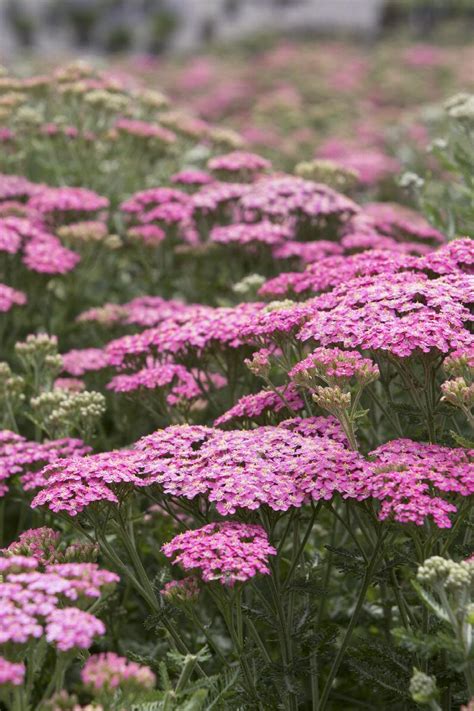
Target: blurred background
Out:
[158,26]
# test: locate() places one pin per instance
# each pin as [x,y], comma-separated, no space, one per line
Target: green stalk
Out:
[353,621]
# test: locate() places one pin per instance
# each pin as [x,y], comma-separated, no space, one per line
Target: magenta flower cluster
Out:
[227,552]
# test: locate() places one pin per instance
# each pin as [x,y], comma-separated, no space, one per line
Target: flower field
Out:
[237,381]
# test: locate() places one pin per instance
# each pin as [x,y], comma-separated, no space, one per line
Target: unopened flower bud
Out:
[423,688]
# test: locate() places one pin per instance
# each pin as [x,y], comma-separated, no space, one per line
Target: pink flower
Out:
[70,628]
[108,671]
[11,673]
[228,552]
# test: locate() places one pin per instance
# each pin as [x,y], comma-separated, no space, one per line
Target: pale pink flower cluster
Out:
[192,177]
[145,129]
[264,232]
[10,297]
[227,552]
[42,251]
[239,162]
[21,456]
[142,311]
[51,202]
[108,671]
[11,673]
[80,361]
[32,602]
[282,197]
[372,165]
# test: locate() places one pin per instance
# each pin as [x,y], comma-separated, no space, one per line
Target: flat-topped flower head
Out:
[54,201]
[77,362]
[11,673]
[403,315]
[251,234]
[108,671]
[71,628]
[266,402]
[10,297]
[178,381]
[285,196]
[21,456]
[78,482]
[227,552]
[411,480]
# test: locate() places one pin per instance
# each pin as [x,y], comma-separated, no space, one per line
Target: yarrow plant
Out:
[237,462]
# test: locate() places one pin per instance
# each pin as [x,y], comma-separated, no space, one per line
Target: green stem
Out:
[352,623]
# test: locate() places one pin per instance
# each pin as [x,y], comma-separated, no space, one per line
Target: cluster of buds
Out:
[329,173]
[423,689]
[461,108]
[11,394]
[61,413]
[40,360]
[62,701]
[45,545]
[438,571]
[459,390]
[259,364]
[181,591]
[344,375]
[446,588]
[249,286]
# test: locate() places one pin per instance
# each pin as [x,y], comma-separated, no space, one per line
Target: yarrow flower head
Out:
[226,552]
[335,367]
[108,671]
[11,673]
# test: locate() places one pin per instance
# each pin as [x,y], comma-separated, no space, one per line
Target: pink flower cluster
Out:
[21,456]
[181,383]
[72,484]
[142,311]
[279,467]
[39,543]
[372,165]
[252,407]
[227,552]
[10,297]
[239,162]
[282,197]
[144,129]
[51,202]
[192,177]
[16,187]
[42,251]
[11,673]
[108,671]
[410,479]
[403,315]
[32,602]
[194,329]
[245,469]
[264,232]
[335,366]
[80,361]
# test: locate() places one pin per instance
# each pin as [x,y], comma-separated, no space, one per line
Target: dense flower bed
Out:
[236,458]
